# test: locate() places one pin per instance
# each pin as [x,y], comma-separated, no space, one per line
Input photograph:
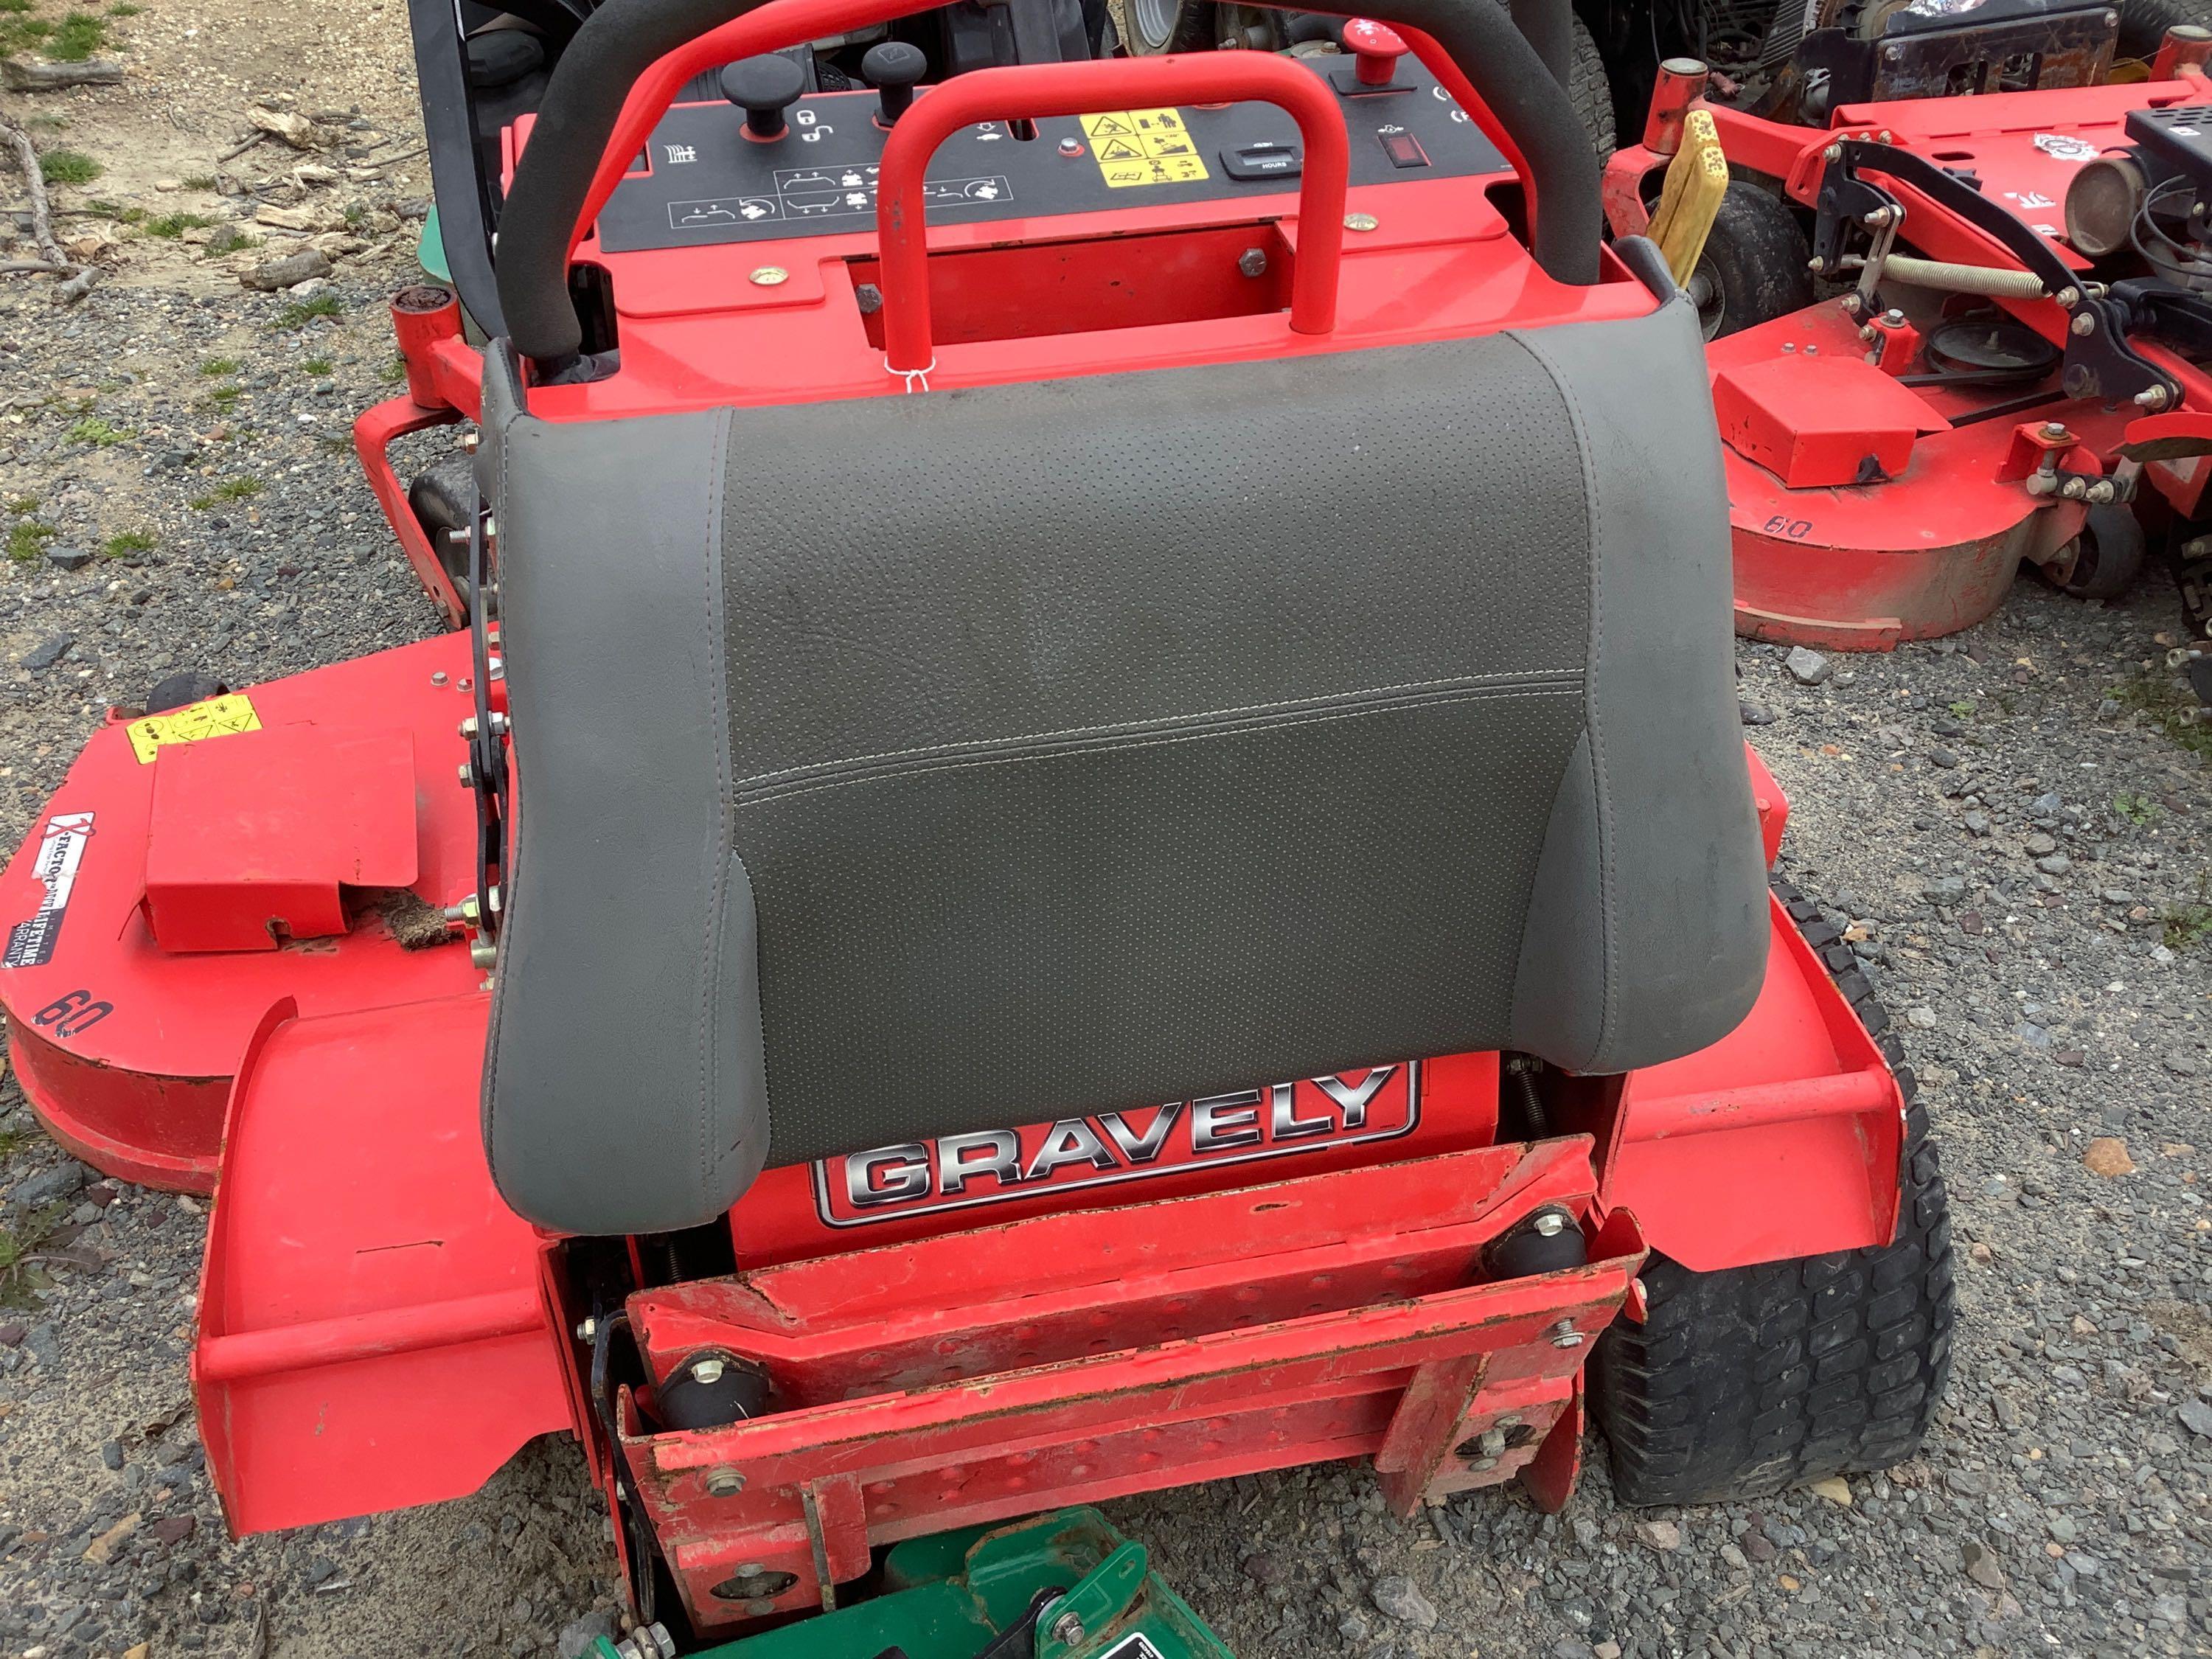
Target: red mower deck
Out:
[1868,504]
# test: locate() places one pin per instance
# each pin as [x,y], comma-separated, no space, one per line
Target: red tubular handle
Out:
[778,25]
[1031,90]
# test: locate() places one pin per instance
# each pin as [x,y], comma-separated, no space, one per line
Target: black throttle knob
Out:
[763,88]
[894,69]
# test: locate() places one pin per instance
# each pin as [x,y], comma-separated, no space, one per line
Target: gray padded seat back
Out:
[895,767]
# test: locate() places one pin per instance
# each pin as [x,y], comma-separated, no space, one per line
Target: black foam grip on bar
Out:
[624,38]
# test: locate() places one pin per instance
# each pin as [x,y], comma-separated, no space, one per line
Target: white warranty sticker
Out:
[31,941]
[2065,147]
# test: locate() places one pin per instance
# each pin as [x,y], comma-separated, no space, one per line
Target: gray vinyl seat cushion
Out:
[897,768]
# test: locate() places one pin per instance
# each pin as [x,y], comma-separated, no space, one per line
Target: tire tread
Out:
[1746,1381]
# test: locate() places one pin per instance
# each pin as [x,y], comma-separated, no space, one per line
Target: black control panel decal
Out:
[710,183]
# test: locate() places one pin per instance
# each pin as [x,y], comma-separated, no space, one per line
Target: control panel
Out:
[769,163]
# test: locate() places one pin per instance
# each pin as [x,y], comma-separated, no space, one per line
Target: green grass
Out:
[1964,710]
[230,489]
[215,368]
[99,434]
[19,1282]
[2169,705]
[393,372]
[316,369]
[170,226]
[225,396]
[2137,809]
[228,239]
[68,167]
[2187,925]
[199,181]
[80,35]
[18,31]
[125,10]
[129,542]
[27,538]
[7,6]
[301,311]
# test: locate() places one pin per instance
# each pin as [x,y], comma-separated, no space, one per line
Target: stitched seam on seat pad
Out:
[1601,796]
[975,744]
[711,670]
[1158,739]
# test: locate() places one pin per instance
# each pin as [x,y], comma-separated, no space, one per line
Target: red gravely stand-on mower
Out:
[1238,620]
[2015,372]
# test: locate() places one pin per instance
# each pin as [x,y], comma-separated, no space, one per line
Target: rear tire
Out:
[2108,554]
[1753,269]
[443,500]
[1590,92]
[1148,28]
[1746,1381]
[2143,23]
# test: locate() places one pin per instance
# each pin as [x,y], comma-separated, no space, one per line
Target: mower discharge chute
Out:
[2012,376]
[1108,851]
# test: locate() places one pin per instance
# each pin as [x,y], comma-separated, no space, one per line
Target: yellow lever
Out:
[1696,180]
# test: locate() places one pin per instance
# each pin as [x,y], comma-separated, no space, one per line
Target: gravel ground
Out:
[2014,828]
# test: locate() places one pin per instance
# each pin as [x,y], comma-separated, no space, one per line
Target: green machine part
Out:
[1066,1582]
[430,251]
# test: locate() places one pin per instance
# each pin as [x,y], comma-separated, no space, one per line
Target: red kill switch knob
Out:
[1377,48]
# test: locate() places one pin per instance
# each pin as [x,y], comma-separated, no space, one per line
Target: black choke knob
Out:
[763,88]
[893,68]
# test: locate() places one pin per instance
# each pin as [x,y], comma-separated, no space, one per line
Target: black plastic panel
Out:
[709,184]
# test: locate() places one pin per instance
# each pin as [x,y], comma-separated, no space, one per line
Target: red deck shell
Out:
[140,1092]
[1859,568]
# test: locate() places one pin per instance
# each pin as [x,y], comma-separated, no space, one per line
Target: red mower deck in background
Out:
[263,945]
[2009,380]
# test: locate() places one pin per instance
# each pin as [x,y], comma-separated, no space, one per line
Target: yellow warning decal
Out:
[218,717]
[1143,147]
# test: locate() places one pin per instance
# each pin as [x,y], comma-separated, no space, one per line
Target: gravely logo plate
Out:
[993,1166]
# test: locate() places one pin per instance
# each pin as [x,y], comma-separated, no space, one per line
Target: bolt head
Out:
[1564,1335]
[1833,153]
[1550,1224]
[2084,324]
[708,1371]
[723,1481]
[2151,397]
[2054,429]
[1253,262]
[469,442]
[2074,489]
[768,276]
[1068,1628]
[1360,221]
[483,954]
[468,776]
[1816,265]
[1893,317]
